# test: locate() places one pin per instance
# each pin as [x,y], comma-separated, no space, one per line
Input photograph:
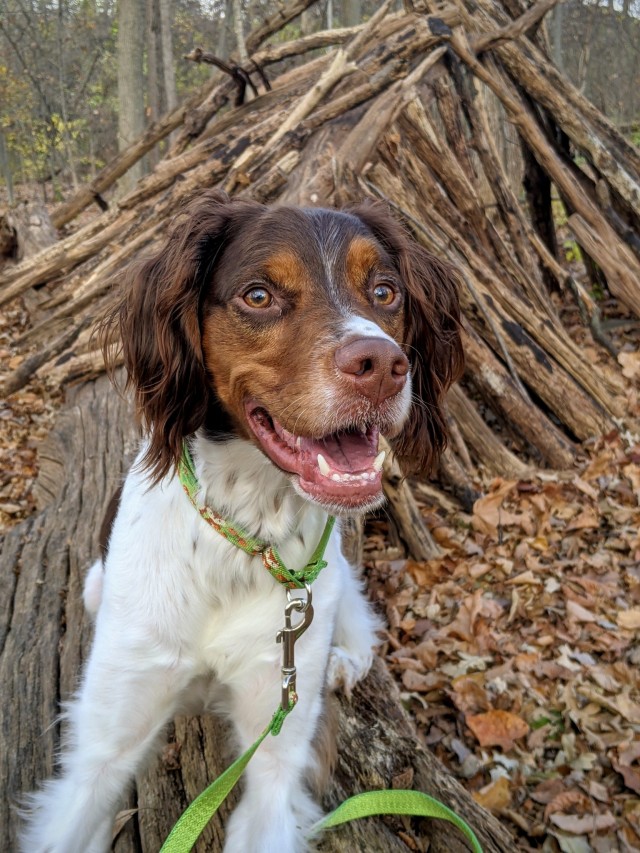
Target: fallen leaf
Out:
[630,363]
[565,800]
[546,791]
[573,843]
[578,613]
[629,619]
[469,695]
[525,578]
[122,818]
[623,766]
[585,824]
[416,681]
[497,728]
[599,791]
[487,511]
[496,796]
[586,520]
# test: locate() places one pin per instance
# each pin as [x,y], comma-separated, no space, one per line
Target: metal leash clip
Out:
[288,636]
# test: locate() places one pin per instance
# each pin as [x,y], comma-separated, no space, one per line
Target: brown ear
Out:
[432,336]
[157,315]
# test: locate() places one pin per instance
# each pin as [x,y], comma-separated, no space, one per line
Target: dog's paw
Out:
[345,668]
[278,826]
[92,591]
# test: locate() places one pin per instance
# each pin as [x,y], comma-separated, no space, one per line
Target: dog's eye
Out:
[384,294]
[258,297]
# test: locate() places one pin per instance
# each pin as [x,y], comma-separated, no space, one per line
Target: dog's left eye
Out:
[258,297]
[384,294]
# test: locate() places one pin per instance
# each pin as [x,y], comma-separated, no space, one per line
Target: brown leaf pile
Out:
[517,650]
[25,419]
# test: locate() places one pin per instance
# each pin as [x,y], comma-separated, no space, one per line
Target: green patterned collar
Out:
[234,534]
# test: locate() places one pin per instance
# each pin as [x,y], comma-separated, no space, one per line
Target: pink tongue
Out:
[348,453]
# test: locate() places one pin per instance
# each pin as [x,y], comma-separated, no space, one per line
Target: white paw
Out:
[259,827]
[92,591]
[345,668]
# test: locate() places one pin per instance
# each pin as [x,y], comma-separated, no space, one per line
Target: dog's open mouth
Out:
[342,468]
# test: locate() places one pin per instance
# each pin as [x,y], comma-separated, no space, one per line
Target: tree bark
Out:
[168,66]
[154,87]
[130,82]
[238,26]
[5,167]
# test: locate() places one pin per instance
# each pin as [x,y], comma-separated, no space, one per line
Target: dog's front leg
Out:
[354,635]
[277,809]
[113,726]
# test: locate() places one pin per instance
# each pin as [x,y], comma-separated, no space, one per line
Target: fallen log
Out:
[44,637]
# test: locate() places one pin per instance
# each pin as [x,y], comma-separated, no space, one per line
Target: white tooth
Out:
[336,477]
[377,462]
[323,465]
[299,441]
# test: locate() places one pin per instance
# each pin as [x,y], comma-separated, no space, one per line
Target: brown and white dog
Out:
[280,343]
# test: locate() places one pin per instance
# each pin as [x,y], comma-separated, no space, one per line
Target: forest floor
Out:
[516,650]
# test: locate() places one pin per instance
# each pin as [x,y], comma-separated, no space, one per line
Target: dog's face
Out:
[309,332]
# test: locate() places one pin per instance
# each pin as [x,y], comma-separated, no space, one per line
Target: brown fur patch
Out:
[107,522]
[286,269]
[362,257]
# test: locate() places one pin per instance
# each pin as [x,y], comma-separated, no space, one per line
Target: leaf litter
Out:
[516,651]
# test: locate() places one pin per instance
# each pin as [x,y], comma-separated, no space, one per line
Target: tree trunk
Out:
[168,67]
[45,636]
[238,26]
[5,167]
[351,13]
[131,17]
[224,24]
[154,83]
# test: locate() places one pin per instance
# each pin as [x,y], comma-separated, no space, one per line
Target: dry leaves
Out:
[497,728]
[517,651]
[25,419]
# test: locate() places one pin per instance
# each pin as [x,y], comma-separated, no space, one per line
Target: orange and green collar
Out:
[250,545]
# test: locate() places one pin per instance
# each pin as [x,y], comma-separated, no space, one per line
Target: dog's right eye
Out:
[258,297]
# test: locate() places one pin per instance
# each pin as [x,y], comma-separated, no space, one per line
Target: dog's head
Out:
[308,332]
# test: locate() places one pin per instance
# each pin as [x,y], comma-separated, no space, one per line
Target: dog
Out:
[278,343]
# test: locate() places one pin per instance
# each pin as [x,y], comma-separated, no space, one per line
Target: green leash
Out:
[413,803]
[193,820]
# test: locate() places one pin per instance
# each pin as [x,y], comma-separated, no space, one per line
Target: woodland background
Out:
[80,78]
[510,582]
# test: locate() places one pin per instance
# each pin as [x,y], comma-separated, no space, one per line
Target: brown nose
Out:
[377,367]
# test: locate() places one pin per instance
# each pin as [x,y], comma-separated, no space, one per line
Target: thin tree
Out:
[131,27]
[168,67]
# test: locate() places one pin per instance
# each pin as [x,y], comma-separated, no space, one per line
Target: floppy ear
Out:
[431,336]
[157,315]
